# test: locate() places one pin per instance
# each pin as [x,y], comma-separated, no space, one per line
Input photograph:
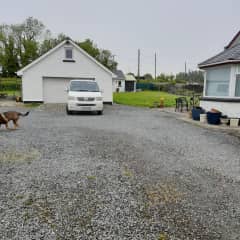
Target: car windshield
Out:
[84,86]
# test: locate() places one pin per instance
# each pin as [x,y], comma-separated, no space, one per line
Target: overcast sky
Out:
[177,30]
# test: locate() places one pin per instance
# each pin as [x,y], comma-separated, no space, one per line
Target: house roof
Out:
[119,74]
[130,77]
[233,41]
[229,55]
[21,71]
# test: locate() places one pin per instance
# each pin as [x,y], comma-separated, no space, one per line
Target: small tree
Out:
[148,76]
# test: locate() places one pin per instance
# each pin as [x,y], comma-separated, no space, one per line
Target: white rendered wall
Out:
[230,109]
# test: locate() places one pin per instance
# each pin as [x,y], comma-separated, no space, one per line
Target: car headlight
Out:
[98,98]
[71,98]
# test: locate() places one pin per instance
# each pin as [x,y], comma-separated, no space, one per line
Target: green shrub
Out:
[10,84]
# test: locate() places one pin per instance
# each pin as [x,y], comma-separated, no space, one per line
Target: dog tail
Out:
[23,114]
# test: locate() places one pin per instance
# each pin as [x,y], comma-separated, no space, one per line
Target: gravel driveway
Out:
[132,173]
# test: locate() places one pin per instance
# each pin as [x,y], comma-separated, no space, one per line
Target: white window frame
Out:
[206,85]
[237,72]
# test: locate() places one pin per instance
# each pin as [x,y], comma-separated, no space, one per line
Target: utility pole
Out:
[155,69]
[185,70]
[138,73]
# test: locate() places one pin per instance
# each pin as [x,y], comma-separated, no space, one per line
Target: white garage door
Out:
[54,90]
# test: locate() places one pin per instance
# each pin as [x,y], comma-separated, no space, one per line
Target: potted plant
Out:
[214,116]
[196,111]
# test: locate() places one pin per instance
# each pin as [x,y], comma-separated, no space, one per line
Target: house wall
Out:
[115,85]
[53,66]
[230,109]
[227,107]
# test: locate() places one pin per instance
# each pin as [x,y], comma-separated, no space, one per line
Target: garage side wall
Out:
[54,66]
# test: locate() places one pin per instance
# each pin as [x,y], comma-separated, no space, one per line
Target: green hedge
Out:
[147,86]
[10,84]
[155,86]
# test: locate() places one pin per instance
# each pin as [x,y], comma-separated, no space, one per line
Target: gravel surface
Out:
[131,173]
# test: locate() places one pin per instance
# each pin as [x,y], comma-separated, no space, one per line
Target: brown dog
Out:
[13,116]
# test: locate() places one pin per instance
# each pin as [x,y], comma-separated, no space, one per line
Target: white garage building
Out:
[46,78]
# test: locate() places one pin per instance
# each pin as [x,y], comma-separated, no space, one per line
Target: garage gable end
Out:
[65,44]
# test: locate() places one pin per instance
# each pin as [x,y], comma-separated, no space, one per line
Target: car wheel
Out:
[99,112]
[68,112]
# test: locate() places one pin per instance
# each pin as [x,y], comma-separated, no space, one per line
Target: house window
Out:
[68,53]
[119,83]
[237,89]
[217,82]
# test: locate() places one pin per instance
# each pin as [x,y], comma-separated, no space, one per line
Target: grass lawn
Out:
[144,98]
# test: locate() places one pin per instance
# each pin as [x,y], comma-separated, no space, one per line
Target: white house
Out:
[46,78]
[222,80]
[124,83]
[119,81]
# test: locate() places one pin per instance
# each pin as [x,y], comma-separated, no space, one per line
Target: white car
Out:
[84,95]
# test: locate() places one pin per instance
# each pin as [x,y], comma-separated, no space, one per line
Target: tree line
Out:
[22,43]
[190,77]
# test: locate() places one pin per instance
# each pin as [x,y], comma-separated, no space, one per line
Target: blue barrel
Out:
[196,113]
[214,117]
